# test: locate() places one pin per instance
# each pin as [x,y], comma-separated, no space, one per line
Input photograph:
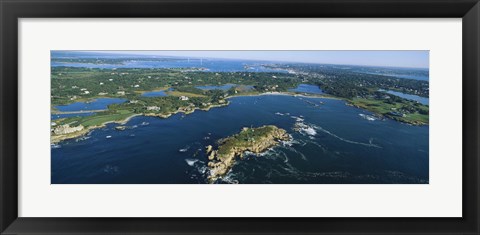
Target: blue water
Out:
[221,87]
[156,93]
[408,73]
[307,88]
[342,148]
[212,65]
[400,75]
[97,104]
[416,77]
[419,99]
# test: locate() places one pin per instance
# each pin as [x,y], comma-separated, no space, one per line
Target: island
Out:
[255,140]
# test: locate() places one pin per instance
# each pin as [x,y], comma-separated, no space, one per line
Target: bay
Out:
[337,146]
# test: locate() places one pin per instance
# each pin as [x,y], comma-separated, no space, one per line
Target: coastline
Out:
[288,94]
[54,139]
[58,138]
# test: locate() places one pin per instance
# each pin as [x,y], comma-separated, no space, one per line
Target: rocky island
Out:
[255,140]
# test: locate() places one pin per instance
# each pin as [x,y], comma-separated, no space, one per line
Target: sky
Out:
[409,59]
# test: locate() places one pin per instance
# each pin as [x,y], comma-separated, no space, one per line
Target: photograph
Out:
[239,117]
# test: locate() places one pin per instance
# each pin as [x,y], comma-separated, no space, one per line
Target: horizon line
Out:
[226,58]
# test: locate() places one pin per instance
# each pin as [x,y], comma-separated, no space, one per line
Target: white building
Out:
[153,108]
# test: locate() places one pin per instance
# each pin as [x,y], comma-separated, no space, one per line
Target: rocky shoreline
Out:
[255,140]
[185,111]
[80,130]
[66,132]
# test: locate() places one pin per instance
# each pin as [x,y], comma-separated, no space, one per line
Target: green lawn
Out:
[383,108]
[99,119]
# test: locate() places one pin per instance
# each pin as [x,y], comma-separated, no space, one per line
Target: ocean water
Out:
[212,65]
[336,146]
[421,74]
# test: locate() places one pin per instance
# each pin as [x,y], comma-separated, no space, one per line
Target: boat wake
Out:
[369,144]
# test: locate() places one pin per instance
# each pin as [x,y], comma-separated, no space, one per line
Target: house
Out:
[183,97]
[121,92]
[153,108]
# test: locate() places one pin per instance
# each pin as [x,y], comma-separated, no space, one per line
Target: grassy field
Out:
[376,106]
[97,120]
[384,108]
[178,93]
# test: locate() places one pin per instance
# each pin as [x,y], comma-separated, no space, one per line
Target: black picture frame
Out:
[12,10]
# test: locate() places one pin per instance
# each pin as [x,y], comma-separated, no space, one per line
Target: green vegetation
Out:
[70,84]
[97,120]
[246,139]
[364,90]
[78,84]
[404,111]
[255,140]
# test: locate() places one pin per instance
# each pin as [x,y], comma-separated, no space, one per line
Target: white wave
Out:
[230,178]
[288,142]
[190,161]
[305,129]
[316,144]
[367,117]
[82,138]
[298,119]
[203,169]
[184,149]
[302,156]
[55,146]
